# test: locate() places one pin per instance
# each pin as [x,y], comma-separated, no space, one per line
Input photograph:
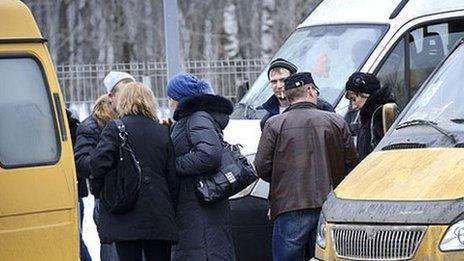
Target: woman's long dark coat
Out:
[204,231]
[153,217]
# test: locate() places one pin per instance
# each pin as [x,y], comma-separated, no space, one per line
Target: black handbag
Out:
[234,174]
[121,186]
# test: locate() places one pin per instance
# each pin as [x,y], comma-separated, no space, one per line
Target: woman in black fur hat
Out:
[366,95]
[200,116]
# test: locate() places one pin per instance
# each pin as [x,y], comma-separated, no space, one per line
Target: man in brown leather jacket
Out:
[303,153]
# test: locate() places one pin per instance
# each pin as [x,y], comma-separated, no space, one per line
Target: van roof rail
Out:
[398,9]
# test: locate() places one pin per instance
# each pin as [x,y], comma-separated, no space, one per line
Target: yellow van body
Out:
[389,176]
[38,203]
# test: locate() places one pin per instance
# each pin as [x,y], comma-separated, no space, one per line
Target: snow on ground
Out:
[89,230]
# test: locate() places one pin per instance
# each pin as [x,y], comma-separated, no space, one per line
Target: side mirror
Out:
[389,114]
[241,90]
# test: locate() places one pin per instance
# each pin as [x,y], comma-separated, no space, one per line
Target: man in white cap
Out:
[114,81]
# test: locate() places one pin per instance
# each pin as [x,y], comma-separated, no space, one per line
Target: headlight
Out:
[454,237]
[320,239]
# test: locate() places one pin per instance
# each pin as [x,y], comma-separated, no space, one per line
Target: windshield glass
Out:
[330,52]
[440,100]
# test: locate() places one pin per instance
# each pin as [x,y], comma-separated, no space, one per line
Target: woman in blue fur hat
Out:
[200,117]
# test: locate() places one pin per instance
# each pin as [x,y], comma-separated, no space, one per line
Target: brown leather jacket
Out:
[303,153]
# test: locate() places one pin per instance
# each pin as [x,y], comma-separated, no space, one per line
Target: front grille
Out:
[359,242]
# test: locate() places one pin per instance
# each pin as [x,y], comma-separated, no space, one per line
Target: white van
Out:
[398,40]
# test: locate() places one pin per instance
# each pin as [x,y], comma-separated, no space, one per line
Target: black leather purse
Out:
[234,174]
[121,186]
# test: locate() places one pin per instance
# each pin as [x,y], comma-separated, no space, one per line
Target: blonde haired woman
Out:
[88,133]
[149,227]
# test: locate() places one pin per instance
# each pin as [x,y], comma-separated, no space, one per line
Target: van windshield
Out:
[440,99]
[330,52]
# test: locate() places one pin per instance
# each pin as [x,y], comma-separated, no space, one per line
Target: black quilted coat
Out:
[204,231]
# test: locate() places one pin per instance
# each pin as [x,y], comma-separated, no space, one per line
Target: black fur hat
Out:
[362,83]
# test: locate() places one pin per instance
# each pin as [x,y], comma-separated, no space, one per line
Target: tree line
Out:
[115,31]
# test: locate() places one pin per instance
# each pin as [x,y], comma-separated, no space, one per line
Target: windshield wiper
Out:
[432,124]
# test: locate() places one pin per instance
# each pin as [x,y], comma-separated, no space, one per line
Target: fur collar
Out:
[381,97]
[205,102]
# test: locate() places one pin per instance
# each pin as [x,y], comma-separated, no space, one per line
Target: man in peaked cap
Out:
[279,69]
[303,153]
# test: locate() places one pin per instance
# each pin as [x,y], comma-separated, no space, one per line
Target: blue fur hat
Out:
[186,85]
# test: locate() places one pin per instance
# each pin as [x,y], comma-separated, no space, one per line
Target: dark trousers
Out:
[84,253]
[294,235]
[107,251]
[153,250]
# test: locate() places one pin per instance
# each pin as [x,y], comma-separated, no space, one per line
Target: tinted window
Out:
[27,130]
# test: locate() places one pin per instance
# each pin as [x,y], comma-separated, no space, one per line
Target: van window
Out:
[440,100]
[392,73]
[27,131]
[427,46]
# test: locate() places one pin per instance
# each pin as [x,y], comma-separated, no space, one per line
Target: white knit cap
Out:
[114,77]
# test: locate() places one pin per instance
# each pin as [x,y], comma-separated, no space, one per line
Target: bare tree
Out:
[95,31]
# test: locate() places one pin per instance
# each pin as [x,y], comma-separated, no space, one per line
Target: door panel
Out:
[38,203]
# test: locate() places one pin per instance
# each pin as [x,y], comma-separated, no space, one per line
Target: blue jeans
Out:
[294,235]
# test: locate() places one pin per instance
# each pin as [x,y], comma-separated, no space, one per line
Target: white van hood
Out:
[244,132]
